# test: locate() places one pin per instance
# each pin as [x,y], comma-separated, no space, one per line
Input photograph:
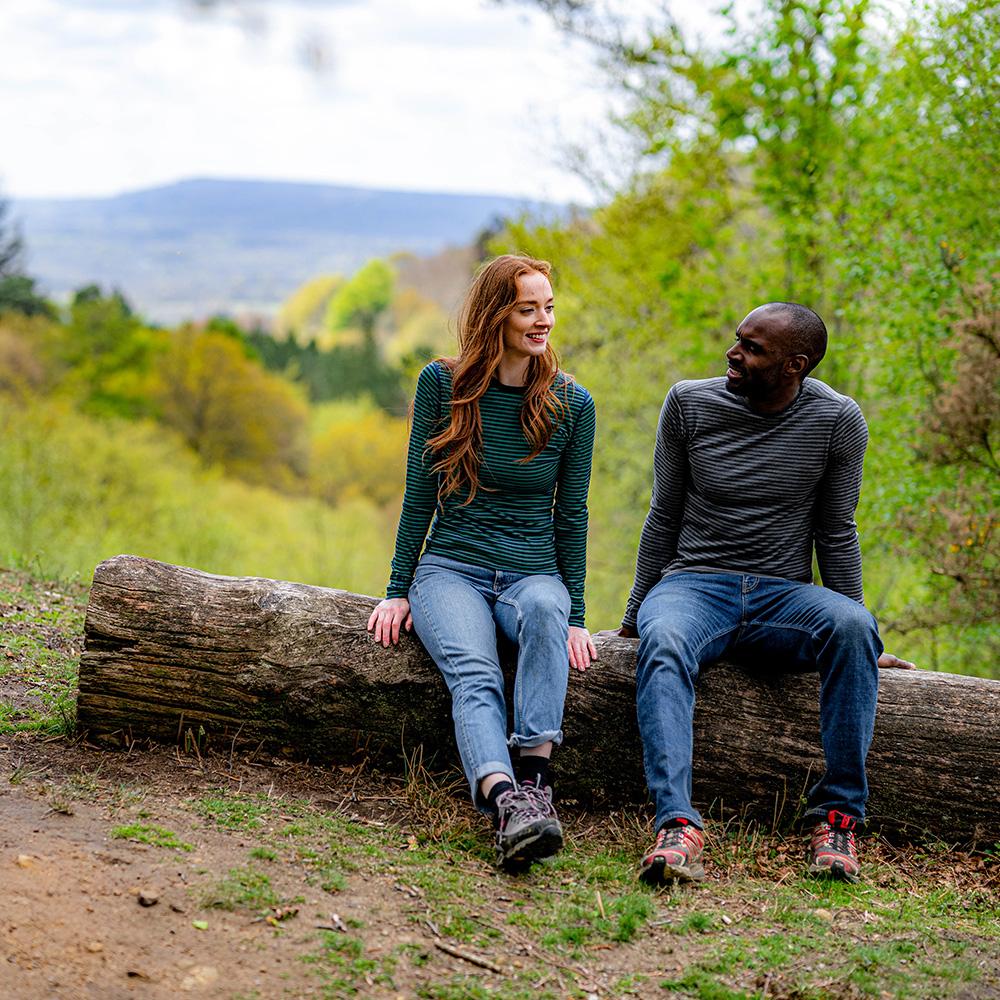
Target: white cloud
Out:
[102,96]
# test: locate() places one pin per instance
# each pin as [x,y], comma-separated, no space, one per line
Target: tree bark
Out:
[175,654]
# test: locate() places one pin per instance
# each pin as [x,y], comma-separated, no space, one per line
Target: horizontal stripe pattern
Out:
[740,492]
[526,518]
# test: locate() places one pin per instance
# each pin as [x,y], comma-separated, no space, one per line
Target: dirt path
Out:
[73,919]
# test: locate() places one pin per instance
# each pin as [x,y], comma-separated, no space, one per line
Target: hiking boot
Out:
[528,828]
[676,856]
[833,852]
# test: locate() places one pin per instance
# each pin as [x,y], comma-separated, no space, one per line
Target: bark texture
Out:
[175,654]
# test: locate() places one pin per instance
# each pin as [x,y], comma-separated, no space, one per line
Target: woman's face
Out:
[526,330]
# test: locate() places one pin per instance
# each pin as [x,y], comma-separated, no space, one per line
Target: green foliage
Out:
[360,301]
[359,453]
[18,294]
[301,316]
[339,372]
[75,489]
[229,410]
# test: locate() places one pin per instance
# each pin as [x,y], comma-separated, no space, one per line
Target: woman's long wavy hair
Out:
[491,299]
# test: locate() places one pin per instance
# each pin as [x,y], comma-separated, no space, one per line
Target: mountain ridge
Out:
[200,246]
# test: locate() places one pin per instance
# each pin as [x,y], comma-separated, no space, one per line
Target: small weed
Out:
[694,923]
[704,986]
[241,889]
[23,773]
[157,836]
[234,812]
[345,971]
[264,854]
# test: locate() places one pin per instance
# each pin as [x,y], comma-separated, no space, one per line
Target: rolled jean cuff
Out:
[491,767]
[517,740]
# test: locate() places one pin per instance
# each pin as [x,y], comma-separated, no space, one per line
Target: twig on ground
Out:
[466,957]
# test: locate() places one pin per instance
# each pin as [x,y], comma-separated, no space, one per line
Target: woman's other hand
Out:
[387,617]
[581,648]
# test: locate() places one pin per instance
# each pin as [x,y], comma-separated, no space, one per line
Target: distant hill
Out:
[198,247]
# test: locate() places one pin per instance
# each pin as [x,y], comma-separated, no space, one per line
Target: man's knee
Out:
[664,644]
[850,622]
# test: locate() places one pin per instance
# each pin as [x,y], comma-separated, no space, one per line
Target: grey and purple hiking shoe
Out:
[528,828]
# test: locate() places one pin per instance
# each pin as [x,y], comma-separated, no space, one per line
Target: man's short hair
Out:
[805,332]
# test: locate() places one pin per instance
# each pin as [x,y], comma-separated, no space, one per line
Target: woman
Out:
[499,457]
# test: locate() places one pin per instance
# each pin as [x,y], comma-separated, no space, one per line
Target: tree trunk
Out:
[174,654]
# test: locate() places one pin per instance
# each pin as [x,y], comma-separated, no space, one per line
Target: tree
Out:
[108,353]
[361,300]
[17,291]
[11,244]
[230,411]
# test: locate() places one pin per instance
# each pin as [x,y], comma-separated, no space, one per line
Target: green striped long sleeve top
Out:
[525,518]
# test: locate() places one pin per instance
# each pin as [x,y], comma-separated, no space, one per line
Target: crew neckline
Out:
[495,383]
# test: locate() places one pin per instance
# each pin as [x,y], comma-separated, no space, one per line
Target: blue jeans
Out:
[689,619]
[457,610]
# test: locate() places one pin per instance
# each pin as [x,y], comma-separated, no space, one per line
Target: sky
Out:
[103,96]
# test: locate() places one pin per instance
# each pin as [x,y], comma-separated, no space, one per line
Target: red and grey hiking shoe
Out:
[528,828]
[676,856]
[833,852]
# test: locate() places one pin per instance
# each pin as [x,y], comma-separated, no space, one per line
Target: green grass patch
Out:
[241,889]
[234,812]
[150,833]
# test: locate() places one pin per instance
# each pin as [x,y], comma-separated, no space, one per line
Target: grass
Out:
[243,888]
[152,834]
[40,629]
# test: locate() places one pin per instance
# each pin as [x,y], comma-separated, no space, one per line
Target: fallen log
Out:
[175,654]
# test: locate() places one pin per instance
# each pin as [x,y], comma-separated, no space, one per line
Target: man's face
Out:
[756,361]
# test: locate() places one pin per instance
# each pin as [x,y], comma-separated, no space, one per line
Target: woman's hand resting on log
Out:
[387,617]
[393,613]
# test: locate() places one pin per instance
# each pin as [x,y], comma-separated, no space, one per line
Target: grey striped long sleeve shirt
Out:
[736,491]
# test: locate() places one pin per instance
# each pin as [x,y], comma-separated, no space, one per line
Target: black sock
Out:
[529,769]
[490,801]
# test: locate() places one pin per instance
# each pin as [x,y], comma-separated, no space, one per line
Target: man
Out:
[751,472]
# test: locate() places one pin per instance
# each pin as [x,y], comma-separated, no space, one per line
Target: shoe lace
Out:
[839,840]
[671,836]
[522,801]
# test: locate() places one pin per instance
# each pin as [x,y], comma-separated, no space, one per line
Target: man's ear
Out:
[796,364]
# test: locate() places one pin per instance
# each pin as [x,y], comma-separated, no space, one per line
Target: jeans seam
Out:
[503,599]
[712,638]
[457,673]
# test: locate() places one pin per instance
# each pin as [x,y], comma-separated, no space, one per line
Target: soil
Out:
[72,919]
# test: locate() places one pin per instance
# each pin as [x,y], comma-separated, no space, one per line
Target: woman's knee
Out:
[544,599]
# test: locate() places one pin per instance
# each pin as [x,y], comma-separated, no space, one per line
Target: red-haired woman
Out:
[499,457]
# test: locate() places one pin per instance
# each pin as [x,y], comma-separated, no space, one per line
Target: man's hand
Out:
[581,648]
[386,619]
[887,662]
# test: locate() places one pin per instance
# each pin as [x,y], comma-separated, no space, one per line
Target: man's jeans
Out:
[457,610]
[689,619]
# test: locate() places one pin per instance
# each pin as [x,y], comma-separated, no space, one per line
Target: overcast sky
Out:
[102,96]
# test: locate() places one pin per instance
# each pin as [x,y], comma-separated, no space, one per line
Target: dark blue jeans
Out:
[689,619]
